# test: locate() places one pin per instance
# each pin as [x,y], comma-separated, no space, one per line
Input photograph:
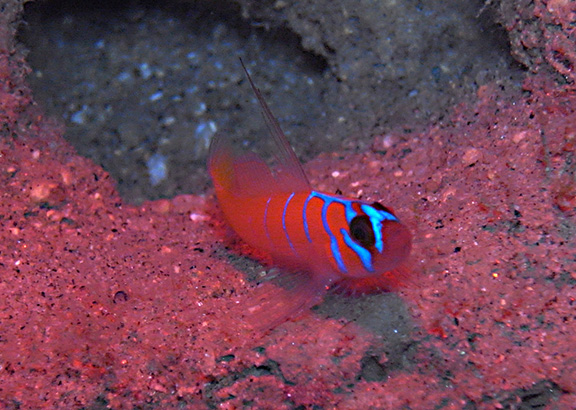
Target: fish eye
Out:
[361,231]
[380,207]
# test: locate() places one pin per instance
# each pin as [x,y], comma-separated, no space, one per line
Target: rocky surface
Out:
[105,304]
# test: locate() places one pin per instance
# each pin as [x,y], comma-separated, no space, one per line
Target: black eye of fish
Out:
[380,207]
[361,231]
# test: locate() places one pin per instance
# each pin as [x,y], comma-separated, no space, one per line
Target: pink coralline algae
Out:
[542,34]
[104,302]
[109,305]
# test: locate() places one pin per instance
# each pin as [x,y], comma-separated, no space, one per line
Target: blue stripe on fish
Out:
[284,221]
[333,241]
[304,219]
[363,253]
[349,213]
[376,217]
[348,210]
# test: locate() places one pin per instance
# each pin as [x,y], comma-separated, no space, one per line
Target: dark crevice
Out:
[143,85]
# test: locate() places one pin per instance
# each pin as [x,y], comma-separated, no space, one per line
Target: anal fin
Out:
[273,304]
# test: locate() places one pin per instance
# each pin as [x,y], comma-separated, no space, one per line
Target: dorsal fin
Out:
[287,169]
[241,172]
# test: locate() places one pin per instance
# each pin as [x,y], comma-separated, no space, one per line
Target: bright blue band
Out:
[284,221]
[376,217]
[363,253]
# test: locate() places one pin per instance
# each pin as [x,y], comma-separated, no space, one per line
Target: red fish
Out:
[320,240]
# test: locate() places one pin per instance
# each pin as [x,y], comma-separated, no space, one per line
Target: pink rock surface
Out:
[542,34]
[104,304]
[131,305]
